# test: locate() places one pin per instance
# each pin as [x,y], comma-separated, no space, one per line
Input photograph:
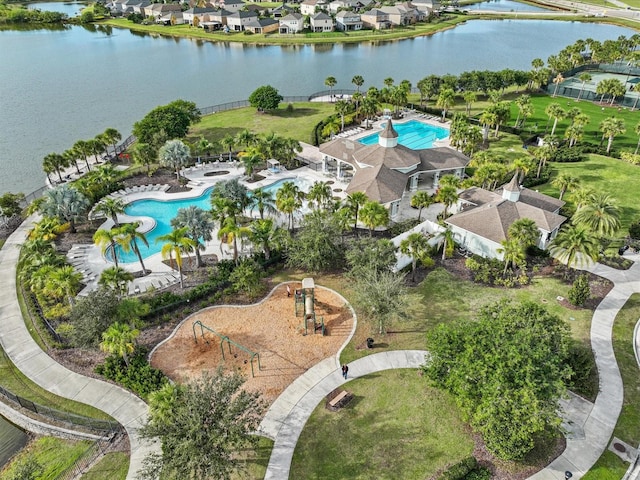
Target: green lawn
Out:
[610,466]
[113,466]
[604,174]
[297,124]
[395,427]
[53,454]
[255,461]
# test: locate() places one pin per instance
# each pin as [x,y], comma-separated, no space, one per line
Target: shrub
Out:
[579,293]
[634,230]
[460,470]
[480,473]
[567,155]
[583,378]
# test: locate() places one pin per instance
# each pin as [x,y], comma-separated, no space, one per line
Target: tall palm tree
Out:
[71,157]
[469,98]
[421,199]
[174,154]
[199,227]
[320,193]
[558,79]
[289,199]
[116,278]
[54,162]
[106,239]
[358,81]
[600,214]
[330,82]
[446,99]
[415,246]
[543,154]
[513,253]
[83,147]
[525,109]
[112,136]
[264,201]
[575,245]
[555,111]
[230,232]
[447,238]
[177,243]
[250,160]
[110,207]
[342,107]
[610,128]
[228,142]
[119,339]
[565,181]
[374,214]
[128,236]
[447,195]
[487,119]
[246,137]
[584,78]
[370,107]
[355,201]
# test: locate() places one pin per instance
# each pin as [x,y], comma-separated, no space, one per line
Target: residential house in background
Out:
[171,18]
[485,217]
[400,14]
[231,5]
[238,20]
[292,23]
[321,22]
[426,6]
[197,12]
[262,25]
[347,21]
[353,5]
[308,7]
[158,10]
[218,19]
[375,19]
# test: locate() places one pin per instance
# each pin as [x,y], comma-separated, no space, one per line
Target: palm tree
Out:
[65,281]
[446,99]
[525,109]
[565,181]
[369,108]
[600,214]
[174,154]
[230,232]
[543,154]
[106,239]
[487,119]
[415,246]
[288,200]
[265,233]
[522,166]
[128,236]
[555,111]
[584,78]
[246,137]
[250,159]
[54,162]
[177,243]
[469,97]
[110,207]
[448,195]
[512,252]
[228,142]
[65,203]
[355,201]
[119,339]
[575,245]
[115,278]
[557,80]
[112,136]
[373,215]
[71,158]
[264,201]
[525,232]
[83,147]
[610,128]
[358,81]
[199,227]
[330,82]
[420,200]
[342,107]
[320,193]
[447,238]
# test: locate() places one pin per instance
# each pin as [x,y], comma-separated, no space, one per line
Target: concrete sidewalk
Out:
[25,353]
[287,416]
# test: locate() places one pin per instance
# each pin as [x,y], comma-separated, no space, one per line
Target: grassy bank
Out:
[113,466]
[610,466]
[390,409]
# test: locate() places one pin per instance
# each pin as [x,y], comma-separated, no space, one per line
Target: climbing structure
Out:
[304,302]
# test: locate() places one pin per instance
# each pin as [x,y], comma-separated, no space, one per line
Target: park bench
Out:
[338,399]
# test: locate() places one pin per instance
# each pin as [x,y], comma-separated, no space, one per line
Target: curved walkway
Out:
[25,353]
[287,416]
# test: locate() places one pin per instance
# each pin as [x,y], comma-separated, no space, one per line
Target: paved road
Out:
[25,353]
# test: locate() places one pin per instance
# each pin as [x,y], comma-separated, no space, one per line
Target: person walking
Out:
[345,371]
[288,291]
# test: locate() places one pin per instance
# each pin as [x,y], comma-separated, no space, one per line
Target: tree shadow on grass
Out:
[295,113]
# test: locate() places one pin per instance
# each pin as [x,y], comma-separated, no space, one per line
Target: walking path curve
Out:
[27,356]
[287,416]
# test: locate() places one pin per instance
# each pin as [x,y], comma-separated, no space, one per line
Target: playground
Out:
[267,342]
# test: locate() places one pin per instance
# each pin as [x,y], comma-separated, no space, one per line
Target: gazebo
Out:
[273,165]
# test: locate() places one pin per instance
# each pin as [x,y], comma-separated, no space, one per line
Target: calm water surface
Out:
[504,6]
[57,87]
[12,439]
[72,9]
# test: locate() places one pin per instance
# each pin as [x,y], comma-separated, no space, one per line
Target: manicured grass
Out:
[610,465]
[297,124]
[256,461]
[308,38]
[113,466]
[53,454]
[395,427]
[608,175]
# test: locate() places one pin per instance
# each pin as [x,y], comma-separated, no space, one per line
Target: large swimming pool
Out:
[413,134]
[163,211]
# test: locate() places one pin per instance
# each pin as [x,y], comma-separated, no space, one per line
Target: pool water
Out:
[163,211]
[413,134]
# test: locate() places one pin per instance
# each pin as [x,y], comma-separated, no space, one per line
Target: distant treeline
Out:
[23,15]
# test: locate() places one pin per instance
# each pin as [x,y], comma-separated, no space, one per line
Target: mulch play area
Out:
[270,328]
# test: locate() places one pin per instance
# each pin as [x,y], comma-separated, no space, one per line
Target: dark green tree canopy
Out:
[506,371]
[316,247]
[265,98]
[173,120]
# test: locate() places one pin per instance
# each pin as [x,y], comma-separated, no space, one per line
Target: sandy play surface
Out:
[269,328]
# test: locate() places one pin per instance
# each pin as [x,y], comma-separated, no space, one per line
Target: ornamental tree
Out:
[265,98]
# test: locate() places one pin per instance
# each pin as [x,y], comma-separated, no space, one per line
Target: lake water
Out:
[504,6]
[71,9]
[12,439]
[57,87]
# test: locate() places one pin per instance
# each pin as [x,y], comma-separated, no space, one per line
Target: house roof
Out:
[380,183]
[347,13]
[242,14]
[442,158]
[261,23]
[320,16]
[393,157]
[389,131]
[233,2]
[199,10]
[291,17]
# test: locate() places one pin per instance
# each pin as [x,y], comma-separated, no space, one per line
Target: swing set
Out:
[223,339]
